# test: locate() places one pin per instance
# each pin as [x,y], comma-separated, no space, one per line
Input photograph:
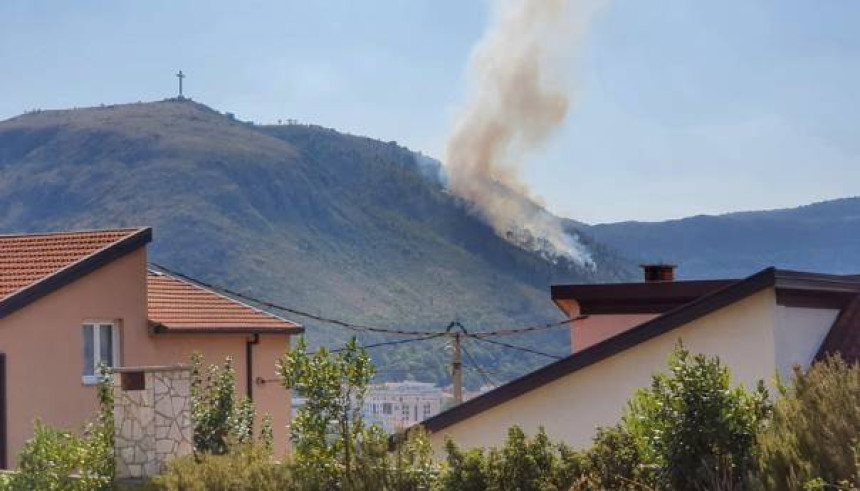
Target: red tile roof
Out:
[176,305]
[28,259]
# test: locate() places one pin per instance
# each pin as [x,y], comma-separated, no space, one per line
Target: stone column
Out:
[152,418]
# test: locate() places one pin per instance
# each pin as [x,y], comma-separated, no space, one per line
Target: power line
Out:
[359,327]
[478,368]
[521,348]
[348,325]
[390,343]
[525,330]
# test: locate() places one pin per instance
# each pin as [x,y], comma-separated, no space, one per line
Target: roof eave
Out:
[159,328]
[600,351]
[88,264]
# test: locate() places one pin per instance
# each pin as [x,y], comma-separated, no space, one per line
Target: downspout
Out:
[249,365]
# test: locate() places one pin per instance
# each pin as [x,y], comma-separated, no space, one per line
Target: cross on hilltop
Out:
[180,76]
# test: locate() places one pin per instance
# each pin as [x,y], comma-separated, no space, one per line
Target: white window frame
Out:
[115,340]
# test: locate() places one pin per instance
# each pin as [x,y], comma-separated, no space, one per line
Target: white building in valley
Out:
[398,405]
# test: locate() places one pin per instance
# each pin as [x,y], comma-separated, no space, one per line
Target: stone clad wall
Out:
[152,420]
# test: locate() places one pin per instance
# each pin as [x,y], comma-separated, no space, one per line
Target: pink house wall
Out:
[43,343]
[596,328]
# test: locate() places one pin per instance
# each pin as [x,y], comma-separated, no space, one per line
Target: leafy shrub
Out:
[814,433]
[333,448]
[247,467]
[522,464]
[218,419]
[615,461]
[60,460]
[327,428]
[693,427]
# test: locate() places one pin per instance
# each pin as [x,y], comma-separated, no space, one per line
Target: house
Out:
[398,405]
[70,301]
[759,326]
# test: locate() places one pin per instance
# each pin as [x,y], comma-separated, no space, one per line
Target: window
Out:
[386,408]
[404,411]
[101,345]
[427,410]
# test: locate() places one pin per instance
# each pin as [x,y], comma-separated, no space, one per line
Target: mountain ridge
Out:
[822,237]
[337,224]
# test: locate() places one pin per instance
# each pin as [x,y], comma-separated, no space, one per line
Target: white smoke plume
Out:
[519,99]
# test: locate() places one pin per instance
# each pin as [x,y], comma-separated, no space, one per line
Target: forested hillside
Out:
[339,225]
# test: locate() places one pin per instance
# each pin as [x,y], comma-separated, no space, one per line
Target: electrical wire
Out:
[525,330]
[521,348]
[478,368]
[348,325]
[359,327]
[390,343]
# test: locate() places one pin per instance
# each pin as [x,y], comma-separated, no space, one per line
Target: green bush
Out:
[55,460]
[247,467]
[219,420]
[60,460]
[521,464]
[615,460]
[332,447]
[694,428]
[814,433]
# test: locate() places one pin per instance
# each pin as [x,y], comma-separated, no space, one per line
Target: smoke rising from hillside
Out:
[519,99]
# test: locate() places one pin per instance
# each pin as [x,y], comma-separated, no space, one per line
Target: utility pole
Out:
[457,363]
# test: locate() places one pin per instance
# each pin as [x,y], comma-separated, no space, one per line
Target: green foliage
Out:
[415,255]
[218,419]
[521,464]
[693,426]
[327,429]
[333,448]
[55,460]
[267,434]
[814,433]
[246,467]
[60,460]
[616,460]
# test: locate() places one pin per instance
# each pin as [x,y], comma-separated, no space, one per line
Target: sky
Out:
[681,107]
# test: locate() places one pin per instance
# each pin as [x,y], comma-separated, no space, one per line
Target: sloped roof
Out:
[792,288]
[179,306]
[34,265]
[844,336]
[635,298]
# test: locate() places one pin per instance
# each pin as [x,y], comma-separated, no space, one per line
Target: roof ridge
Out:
[71,232]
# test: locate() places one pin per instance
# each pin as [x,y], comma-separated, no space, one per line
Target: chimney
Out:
[656,273]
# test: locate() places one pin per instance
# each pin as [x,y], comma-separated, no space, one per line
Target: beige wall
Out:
[798,335]
[571,408]
[43,343]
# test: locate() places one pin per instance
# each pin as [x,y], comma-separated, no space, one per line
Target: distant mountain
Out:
[821,237]
[345,226]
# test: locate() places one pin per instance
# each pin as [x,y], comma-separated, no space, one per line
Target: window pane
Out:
[89,351]
[106,344]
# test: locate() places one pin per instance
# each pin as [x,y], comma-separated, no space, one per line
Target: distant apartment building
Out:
[398,405]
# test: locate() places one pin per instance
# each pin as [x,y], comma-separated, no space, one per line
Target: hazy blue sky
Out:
[683,107]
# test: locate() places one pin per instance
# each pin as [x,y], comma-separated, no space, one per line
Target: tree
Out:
[333,448]
[693,427]
[326,430]
[814,433]
[219,419]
